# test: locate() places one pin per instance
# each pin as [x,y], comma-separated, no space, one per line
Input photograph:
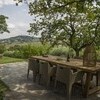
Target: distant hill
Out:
[19,39]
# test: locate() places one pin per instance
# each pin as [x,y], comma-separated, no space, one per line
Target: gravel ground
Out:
[14,75]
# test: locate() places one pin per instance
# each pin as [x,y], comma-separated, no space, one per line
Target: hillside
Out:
[19,39]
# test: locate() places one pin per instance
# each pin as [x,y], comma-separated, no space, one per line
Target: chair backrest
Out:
[43,68]
[33,65]
[63,74]
[52,69]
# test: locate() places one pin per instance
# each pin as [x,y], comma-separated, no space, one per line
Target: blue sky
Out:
[19,19]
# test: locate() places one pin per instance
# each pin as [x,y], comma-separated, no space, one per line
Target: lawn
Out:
[9,60]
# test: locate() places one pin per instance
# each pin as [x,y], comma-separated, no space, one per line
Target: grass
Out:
[9,60]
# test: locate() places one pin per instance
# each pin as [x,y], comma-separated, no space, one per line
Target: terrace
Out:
[14,75]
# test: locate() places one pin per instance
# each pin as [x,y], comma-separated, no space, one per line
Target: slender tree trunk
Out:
[77,53]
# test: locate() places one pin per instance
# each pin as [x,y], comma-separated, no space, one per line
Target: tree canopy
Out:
[75,23]
[3,24]
[58,4]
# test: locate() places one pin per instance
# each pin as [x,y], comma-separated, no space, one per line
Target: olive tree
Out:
[75,23]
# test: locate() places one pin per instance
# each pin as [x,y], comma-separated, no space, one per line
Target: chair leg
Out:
[55,84]
[97,77]
[34,77]
[27,73]
[69,88]
[82,85]
[39,78]
[48,81]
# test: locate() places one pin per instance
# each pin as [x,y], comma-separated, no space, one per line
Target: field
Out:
[17,52]
[9,60]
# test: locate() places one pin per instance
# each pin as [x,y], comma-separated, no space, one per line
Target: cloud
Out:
[18,18]
[22,24]
[14,32]
[24,10]
[1,3]
[7,2]
[11,25]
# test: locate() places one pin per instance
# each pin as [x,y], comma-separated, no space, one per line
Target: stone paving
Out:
[14,75]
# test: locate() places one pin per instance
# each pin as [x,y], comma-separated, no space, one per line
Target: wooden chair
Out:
[67,76]
[33,65]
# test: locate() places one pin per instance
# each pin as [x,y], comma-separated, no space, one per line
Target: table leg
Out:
[98,78]
[87,84]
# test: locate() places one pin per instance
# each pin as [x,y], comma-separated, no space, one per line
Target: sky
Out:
[18,18]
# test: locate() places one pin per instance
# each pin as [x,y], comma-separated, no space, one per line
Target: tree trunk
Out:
[77,53]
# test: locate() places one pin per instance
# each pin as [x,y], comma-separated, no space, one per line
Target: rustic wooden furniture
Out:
[76,64]
[34,67]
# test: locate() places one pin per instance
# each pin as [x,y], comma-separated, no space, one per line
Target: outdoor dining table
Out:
[75,64]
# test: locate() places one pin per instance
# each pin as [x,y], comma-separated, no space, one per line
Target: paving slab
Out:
[14,75]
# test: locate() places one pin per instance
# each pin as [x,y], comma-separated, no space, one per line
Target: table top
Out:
[73,63]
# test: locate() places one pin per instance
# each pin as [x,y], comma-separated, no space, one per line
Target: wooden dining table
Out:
[76,64]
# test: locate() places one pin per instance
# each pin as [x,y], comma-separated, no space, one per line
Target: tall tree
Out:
[68,27]
[75,23]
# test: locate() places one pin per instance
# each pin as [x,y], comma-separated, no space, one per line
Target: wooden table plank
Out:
[74,63]
[94,90]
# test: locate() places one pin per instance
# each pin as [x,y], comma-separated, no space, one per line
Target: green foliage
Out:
[58,5]
[9,60]
[61,22]
[3,89]
[27,50]
[74,23]
[62,51]
[3,24]
[1,95]
[59,52]
[98,54]
[9,53]
[2,48]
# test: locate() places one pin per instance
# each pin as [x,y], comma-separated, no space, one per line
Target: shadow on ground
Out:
[14,75]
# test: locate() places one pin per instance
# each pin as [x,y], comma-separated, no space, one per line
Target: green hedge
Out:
[27,50]
[62,51]
[2,48]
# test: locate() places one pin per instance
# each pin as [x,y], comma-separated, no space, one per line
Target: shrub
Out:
[2,48]
[3,89]
[30,50]
[27,50]
[9,53]
[62,51]
[15,47]
[59,51]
